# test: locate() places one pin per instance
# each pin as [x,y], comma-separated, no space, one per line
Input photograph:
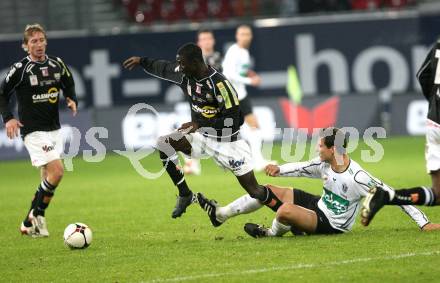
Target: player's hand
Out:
[272,170]
[431,227]
[13,128]
[251,73]
[131,62]
[255,80]
[72,105]
[189,127]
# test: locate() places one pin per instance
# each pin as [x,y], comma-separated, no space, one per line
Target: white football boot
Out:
[39,222]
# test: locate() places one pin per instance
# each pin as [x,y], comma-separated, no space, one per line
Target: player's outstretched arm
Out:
[308,169]
[161,69]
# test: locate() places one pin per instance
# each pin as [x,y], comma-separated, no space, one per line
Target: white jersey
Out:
[236,65]
[342,192]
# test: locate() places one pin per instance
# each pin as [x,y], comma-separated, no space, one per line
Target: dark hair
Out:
[191,52]
[334,137]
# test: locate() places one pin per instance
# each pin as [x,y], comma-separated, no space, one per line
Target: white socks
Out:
[242,205]
[278,229]
[247,204]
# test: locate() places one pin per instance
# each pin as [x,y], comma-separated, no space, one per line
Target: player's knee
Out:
[59,172]
[284,212]
[55,173]
[269,186]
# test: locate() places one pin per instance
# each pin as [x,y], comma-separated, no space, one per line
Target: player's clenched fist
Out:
[131,62]
[272,170]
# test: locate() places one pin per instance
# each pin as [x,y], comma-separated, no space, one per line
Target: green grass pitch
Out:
[135,239]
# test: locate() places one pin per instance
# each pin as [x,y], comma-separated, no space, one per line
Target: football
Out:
[77,236]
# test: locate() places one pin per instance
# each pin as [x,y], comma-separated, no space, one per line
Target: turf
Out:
[135,239]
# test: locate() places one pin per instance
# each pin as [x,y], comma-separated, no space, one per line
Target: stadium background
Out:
[357,68]
[343,59]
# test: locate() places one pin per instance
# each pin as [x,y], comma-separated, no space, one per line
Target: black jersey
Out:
[37,87]
[214,102]
[429,78]
[214,60]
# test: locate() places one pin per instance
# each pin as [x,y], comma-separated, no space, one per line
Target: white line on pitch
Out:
[292,267]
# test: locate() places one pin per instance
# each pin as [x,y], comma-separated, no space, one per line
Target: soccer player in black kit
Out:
[429,79]
[206,42]
[214,128]
[37,81]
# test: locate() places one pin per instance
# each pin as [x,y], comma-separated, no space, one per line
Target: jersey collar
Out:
[212,72]
[38,62]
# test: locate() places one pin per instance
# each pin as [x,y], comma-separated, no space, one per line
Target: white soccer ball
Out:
[77,236]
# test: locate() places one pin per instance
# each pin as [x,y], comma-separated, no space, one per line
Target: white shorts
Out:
[432,152]
[235,156]
[44,147]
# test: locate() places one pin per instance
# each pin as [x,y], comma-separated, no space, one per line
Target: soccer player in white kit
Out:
[345,183]
[236,67]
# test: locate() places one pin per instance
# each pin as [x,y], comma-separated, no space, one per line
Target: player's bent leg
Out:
[245,204]
[168,147]
[298,217]
[261,193]
[435,177]
[219,214]
[283,193]
[288,216]
[54,171]
[43,173]
[46,157]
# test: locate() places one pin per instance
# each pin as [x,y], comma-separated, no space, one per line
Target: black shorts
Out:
[246,106]
[310,201]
